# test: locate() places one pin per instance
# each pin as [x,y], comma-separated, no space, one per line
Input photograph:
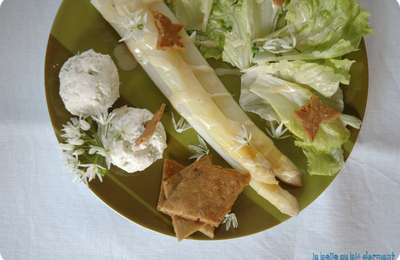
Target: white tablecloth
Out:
[43,215]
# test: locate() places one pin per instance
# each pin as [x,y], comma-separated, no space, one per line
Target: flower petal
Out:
[66,147]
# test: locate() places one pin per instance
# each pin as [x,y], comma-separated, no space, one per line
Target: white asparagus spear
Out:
[282,166]
[178,83]
[176,80]
[277,196]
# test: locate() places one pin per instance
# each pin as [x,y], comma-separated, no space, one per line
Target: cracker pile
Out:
[199,196]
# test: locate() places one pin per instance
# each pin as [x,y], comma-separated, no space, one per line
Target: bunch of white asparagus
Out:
[196,92]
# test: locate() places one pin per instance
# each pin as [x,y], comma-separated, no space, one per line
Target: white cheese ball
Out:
[89,82]
[126,128]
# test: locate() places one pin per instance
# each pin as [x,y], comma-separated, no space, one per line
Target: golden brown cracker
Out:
[170,168]
[207,230]
[150,127]
[185,225]
[168,37]
[313,114]
[206,193]
[182,227]
[169,184]
[278,3]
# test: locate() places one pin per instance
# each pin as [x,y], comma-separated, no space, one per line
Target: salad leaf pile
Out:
[231,25]
[287,53]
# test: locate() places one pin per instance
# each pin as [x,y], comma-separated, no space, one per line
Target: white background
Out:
[43,215]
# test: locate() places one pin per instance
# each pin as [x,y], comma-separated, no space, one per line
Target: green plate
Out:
[79,27]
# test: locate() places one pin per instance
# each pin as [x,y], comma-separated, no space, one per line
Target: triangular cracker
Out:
[206,193]
[169,184]
[207,230]
[182,227]
[170,168]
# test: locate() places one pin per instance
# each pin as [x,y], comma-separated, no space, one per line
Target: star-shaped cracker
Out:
[313,114]
[168,37]
[278,3]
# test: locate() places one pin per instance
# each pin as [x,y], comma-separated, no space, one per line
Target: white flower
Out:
[75,121]
[77,144]
[243,138]
[79,152]
[71,163]
[103,118]
[181,126]
[77,175]
[71,131]
[76,141]
[90,173]
[279,45]
[134,23]
[69,160]
[84,125]
[105,152]
[66,147]
[277,133]
[230,219]
[201,150]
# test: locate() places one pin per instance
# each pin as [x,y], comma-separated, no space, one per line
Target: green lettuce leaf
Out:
[194,14]
[324,163]
[216,29]
[237,48]
[323,76]
[261,17]
[232,25]
[188,13]
[251,102]
[285,97]
[316,30]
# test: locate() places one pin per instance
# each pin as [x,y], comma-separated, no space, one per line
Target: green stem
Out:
[297,49]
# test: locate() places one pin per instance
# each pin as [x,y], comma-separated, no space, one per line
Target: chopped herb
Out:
[166,109]
[255,49]
[119,136]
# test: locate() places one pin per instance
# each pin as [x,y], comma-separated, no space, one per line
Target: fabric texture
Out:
[43,215]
